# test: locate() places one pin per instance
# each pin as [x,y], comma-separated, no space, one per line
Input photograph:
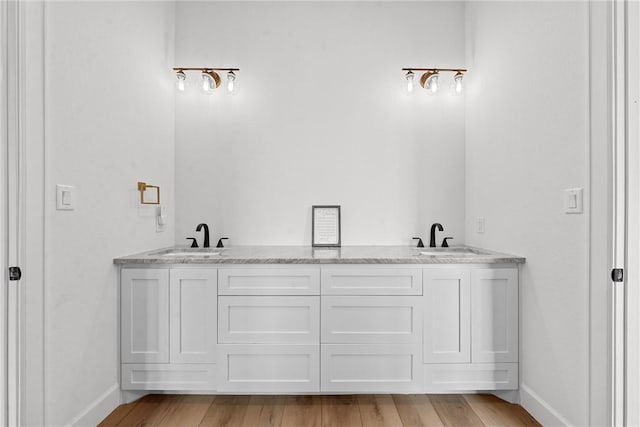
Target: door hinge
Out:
[617,275]
[15,273]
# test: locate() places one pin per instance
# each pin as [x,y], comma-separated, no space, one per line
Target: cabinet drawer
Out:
[377,368]
[371,281]
[270,319]
[169,377]
[471,376]
[269,368]
[269,281]
[371,319]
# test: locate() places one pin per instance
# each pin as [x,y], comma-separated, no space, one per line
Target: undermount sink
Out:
[190,254]
[449,253]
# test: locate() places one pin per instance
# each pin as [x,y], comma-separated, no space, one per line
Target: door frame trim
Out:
[31,211]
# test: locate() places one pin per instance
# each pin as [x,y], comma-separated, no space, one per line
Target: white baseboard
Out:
[99,408]
[544,413]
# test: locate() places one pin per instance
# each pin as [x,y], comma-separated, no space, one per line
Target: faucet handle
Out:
[194,243]
[220,245]
[445,244]
[420,244]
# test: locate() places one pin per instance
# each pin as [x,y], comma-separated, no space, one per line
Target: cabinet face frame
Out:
[145,314]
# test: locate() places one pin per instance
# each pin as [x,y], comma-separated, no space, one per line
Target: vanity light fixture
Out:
[210,78]
[430,79]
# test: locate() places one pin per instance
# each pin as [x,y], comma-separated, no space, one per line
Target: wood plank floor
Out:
[320,411]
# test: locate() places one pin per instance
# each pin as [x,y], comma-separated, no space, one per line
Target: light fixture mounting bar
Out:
[204,69]
[453,70]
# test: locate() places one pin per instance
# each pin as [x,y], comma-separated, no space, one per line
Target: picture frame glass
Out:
[326,227]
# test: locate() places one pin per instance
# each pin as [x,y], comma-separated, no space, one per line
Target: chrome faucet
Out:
[432,240]
[206,234]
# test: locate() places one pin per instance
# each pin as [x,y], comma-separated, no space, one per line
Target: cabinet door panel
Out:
[193,308]
[494,302]
[145,315]
[371,319]
[447,322]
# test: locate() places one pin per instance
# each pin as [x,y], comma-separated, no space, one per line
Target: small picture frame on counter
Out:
[325,226]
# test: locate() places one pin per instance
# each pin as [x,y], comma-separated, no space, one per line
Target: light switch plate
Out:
[161,218]
[480,225]
[65,197]
[573,200]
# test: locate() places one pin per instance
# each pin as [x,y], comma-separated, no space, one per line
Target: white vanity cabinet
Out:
[168,328]
[470,328]
[320,328]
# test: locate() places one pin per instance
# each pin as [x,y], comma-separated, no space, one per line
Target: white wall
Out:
[109,123]
[526,141]
[320,118]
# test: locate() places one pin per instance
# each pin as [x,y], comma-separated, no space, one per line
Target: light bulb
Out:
[409,78]
[458,82]
[231,78]
[208,84]
[429,81]
[181,78]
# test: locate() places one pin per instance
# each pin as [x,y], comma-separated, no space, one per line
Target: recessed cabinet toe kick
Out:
[319,328]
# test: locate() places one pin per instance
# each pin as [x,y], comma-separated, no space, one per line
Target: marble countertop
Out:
[310,255]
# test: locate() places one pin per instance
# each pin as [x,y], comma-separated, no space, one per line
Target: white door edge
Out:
[631,295]
[4,199]
[619,209]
